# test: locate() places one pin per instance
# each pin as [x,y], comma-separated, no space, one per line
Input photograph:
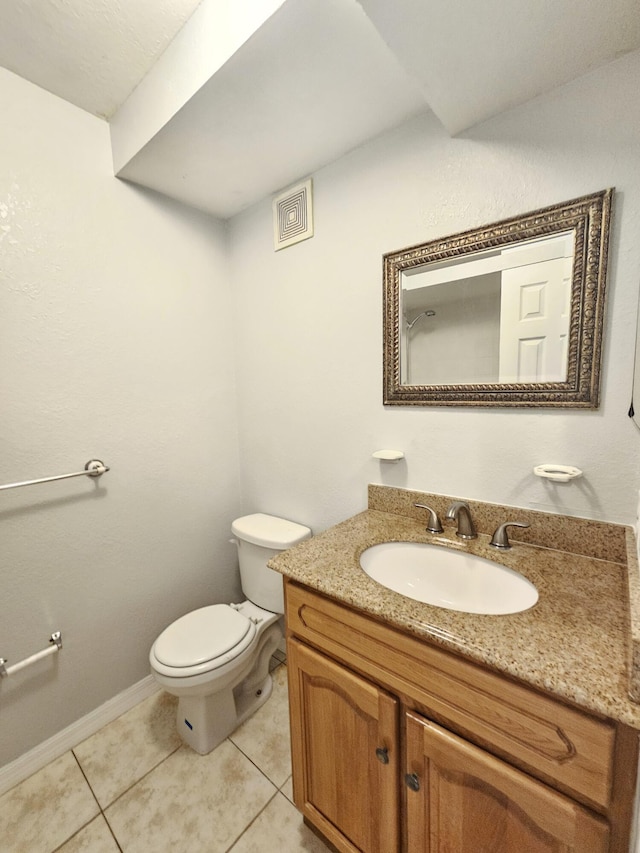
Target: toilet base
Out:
[203,722]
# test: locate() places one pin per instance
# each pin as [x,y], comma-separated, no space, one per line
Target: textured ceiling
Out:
[92,53]
[312,83]
[476,59]
[471,60]
[313,80]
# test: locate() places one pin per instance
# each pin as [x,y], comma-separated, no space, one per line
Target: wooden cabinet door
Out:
[344,734]
[471,802]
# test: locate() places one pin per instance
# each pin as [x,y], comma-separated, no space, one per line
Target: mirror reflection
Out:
[501,315]
[509,314]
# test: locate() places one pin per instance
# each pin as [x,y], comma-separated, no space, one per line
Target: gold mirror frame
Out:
[589,219]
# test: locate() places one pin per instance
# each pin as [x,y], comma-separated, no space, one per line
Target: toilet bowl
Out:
[216,659]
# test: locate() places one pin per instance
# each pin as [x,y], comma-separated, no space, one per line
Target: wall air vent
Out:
[293,215]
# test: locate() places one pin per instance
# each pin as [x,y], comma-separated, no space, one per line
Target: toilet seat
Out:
[202,641]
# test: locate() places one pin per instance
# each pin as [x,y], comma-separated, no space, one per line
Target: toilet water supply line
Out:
[56,645]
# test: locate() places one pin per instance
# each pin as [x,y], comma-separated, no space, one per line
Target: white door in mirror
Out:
[447,578]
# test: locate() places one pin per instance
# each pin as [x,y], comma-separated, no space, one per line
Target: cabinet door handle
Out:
[382,754]
[412,780]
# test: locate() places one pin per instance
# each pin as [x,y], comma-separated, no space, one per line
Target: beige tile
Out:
[94,838]
[264,737]
[287,789]
[122,752]
[45,810]
[279,828]
[279,656]
[191,803]
[275,660]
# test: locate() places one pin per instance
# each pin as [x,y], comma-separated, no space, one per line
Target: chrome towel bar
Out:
[93,468]
[56,645]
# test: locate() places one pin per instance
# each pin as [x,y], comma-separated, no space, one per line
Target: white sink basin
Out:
[446,578]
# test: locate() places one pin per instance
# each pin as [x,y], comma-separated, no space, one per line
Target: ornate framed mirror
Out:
[509,314]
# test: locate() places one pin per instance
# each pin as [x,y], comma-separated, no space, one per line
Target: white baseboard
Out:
[38,757]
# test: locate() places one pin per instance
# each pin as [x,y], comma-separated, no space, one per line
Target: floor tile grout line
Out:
[155,767]
[144,776]
[248,757]
[117,843]
[102,810]
[104,817]
[277,790]
[283,784]
[73,834]
[84,776]
[257,766]
[133,784]
[77,832]
[89,822]
[254,819]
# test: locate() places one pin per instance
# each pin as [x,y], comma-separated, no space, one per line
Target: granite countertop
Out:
[576,643]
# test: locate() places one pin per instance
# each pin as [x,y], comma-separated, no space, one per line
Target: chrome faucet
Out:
[459,512]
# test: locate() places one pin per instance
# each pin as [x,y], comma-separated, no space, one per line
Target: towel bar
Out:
[93,468]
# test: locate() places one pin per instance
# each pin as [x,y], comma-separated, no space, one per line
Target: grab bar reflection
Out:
[56,645]
[93,468]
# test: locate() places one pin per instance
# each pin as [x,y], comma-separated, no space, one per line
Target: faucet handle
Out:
[500,538]
[433,525]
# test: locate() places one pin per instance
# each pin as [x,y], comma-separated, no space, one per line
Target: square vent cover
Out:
[293,215]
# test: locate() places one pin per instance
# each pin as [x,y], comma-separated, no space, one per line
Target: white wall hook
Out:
[559,473]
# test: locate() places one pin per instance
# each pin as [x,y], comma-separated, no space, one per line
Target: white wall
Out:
[114,342]
[309,318]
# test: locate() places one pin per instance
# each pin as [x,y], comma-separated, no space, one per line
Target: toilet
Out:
[216,659]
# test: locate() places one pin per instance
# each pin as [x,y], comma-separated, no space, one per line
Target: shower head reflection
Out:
[411,324]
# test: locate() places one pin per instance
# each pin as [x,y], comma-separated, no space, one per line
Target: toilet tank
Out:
[260,537]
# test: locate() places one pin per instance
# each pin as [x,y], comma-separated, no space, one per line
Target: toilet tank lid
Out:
[269,531]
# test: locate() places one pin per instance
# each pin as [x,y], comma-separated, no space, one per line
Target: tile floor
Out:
[134,787]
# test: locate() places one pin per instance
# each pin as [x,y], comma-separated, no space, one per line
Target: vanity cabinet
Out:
[399,745]
[346,733]
[467,800]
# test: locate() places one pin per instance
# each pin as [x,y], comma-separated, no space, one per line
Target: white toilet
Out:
[216,659]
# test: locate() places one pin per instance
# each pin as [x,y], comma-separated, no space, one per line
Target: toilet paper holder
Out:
[55,645]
